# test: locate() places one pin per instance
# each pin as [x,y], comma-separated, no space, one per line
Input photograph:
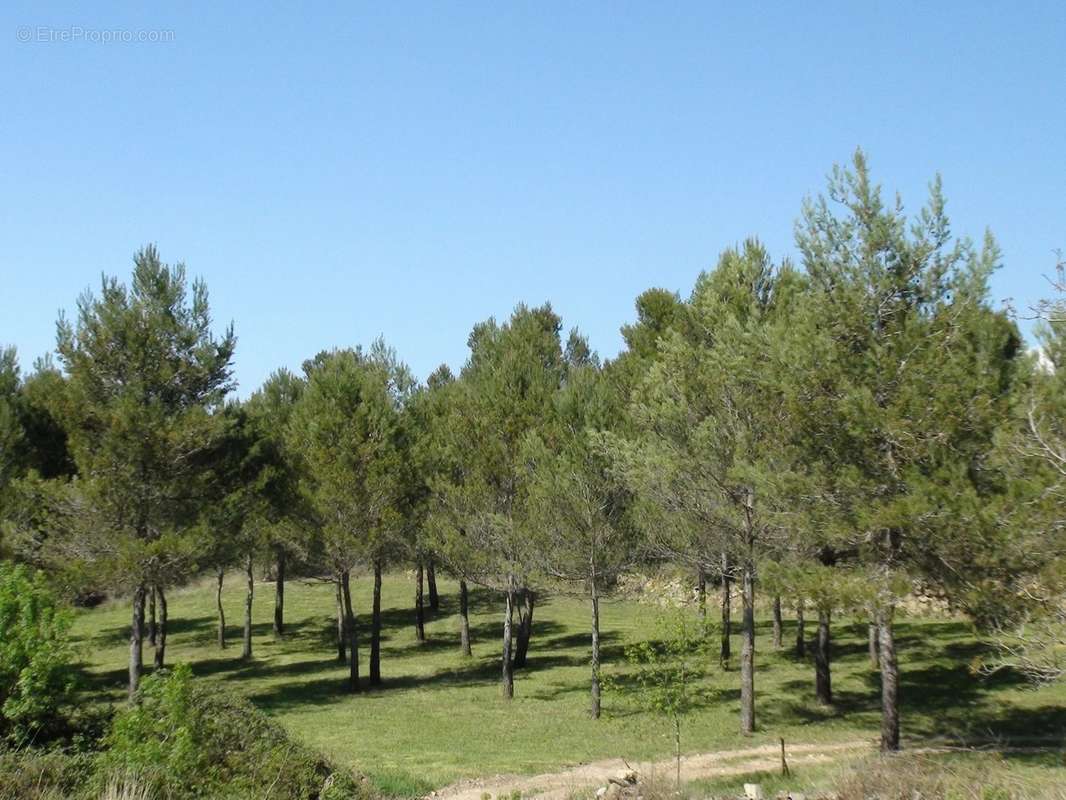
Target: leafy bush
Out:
[35,656]
[186,740]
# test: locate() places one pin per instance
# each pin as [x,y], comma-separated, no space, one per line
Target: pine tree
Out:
[346,429]
[903,372]
[439,460]
[576,505]
[146,377]
[285,516]
[480,519]
[710,433]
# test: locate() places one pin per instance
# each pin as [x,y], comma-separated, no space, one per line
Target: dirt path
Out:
[559,785]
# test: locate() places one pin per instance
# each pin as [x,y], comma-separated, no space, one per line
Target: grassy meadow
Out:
[438,716]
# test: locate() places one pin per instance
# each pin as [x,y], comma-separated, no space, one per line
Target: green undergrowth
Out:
[182,740]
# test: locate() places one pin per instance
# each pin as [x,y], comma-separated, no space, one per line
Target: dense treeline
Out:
[835,434]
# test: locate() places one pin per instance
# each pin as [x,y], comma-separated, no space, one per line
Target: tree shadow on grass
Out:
[324,677]
[938,701]
[572,641]
[205,629]
[1042,726]
[325,689]
[479,601]
[96,682]
[807,711]
[118,634]
[236,667]
[480,633]
[952,703]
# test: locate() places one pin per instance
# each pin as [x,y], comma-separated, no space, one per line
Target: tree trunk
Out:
[889,682]
[747,652]
[342,645]
[246,652]
[136,641]
[375,629]
[677,752]
[777,621]
[161,629]
[464,619]
[875,657]
[801,633]
[152,624]
[507,681]
[727,614]
[596,651]
[221,611]
[279,596]
[701,594]
[431,582]
[525,628]
[353,634]
[823,690]
[420,611]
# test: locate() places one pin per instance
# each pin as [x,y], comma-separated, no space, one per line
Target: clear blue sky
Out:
[407,169]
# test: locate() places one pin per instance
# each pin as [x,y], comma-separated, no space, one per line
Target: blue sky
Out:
[407,169]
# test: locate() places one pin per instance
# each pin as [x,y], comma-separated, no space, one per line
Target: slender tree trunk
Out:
[727,613]
[507,682]
[375,629]
[801,633]
[875,657]
[161,630]
[777,621]
[525,628]
[279,596]
[889,682]
[464,619]
[677,751]
[246,652]
[431,583]
[353,633]
[747,652]
[221,611]
[596,650]
[342,645]
[152,624]
[823,689]
[420,611]
[701,594]
[137,641]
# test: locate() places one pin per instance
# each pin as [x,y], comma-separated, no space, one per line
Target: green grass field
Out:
[438,716]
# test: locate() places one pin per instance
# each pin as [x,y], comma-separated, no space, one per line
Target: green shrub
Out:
[35,656]
[184,740]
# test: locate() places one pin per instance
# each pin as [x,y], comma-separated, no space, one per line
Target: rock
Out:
[613,792]
[797,796]
[753,791]
[601,791]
